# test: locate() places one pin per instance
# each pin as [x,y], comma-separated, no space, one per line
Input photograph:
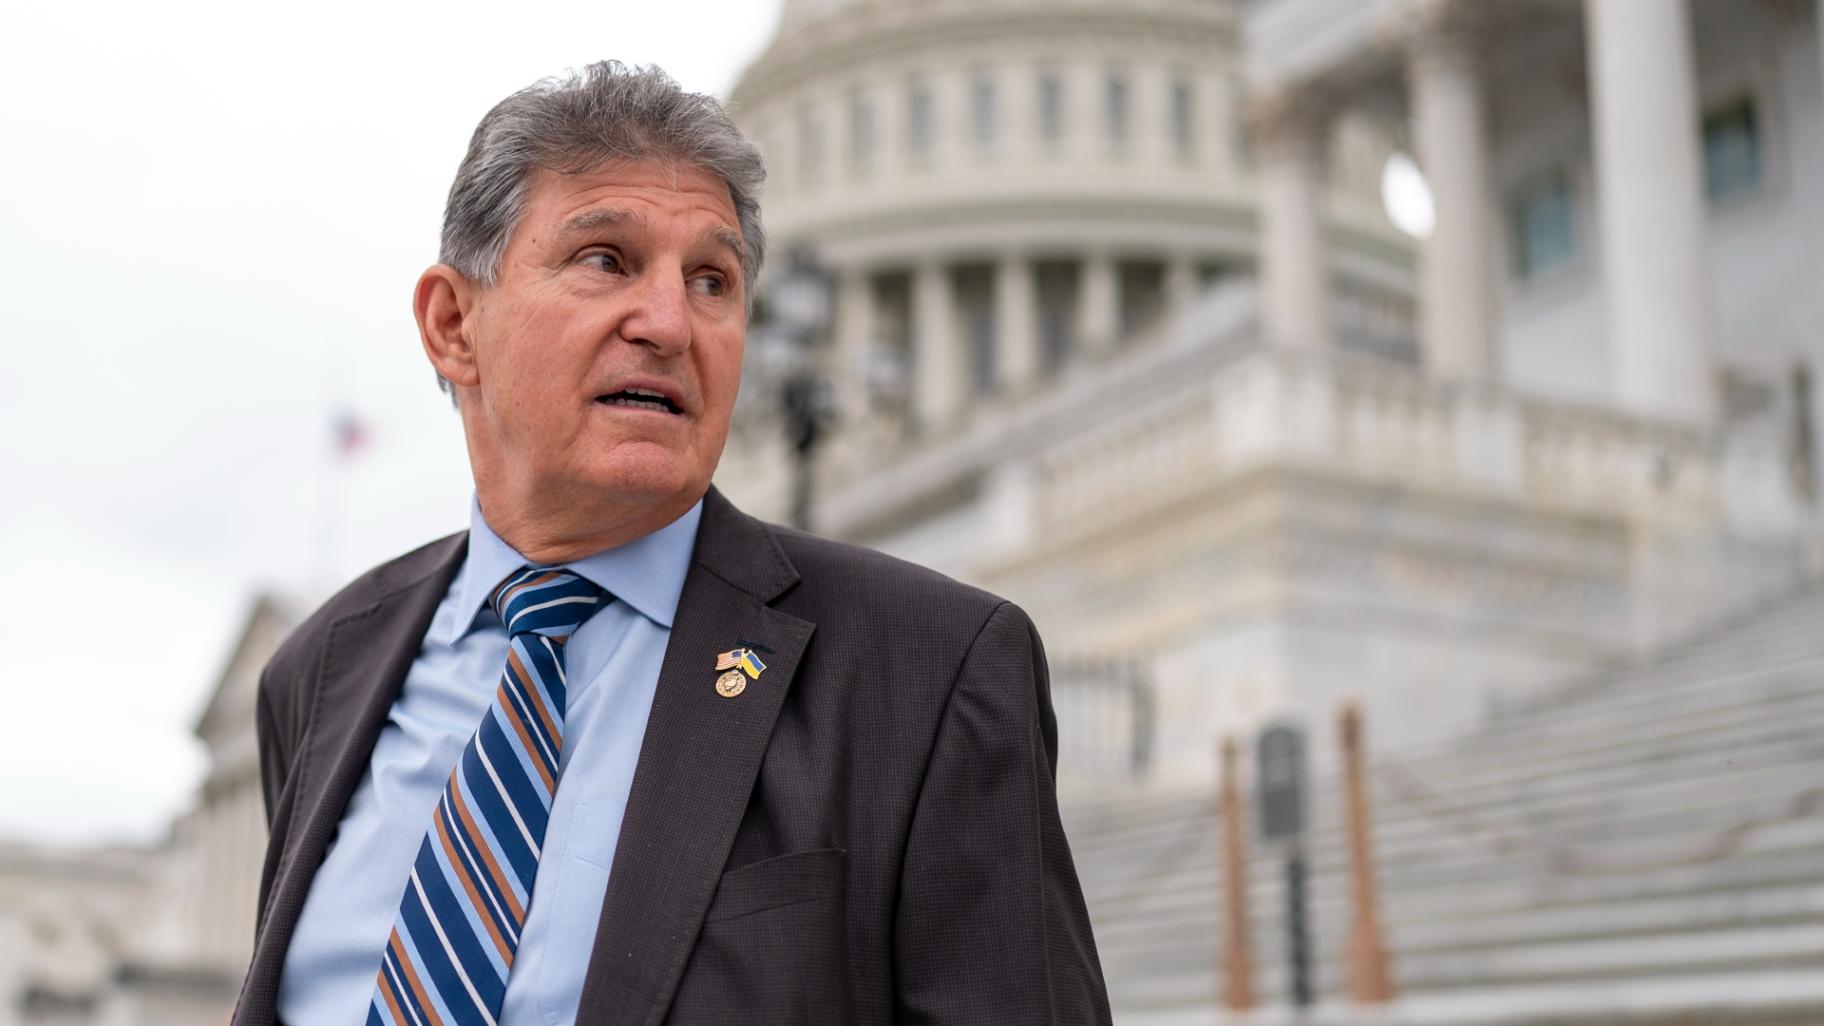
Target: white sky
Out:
[211,218]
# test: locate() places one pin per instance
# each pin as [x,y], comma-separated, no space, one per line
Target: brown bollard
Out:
[1237,959]
[1370,980]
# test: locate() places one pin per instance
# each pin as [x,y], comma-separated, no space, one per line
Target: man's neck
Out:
[565,531]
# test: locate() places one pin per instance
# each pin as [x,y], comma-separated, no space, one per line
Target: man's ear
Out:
[445,305]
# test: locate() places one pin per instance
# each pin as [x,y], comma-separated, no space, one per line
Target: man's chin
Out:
[647,477]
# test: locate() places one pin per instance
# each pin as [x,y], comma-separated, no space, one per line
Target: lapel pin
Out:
[744,658]
[732,664]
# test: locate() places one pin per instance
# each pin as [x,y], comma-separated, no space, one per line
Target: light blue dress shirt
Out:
[613,664]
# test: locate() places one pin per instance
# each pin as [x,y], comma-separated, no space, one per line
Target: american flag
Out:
[349,434]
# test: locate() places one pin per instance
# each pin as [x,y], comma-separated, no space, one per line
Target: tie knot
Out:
[547,601]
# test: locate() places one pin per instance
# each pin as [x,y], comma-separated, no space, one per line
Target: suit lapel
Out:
[366,655]
[697,765]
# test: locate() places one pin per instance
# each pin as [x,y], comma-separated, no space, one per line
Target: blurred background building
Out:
[1454,359]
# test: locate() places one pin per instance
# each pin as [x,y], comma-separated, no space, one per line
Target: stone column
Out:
[854,340]
[1098,304]
[1016,323]
[1456,280]
[1650,202]
[1294,264]
[1180,281]
[939,389]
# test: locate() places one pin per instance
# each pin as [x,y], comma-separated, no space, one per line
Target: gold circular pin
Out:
[731,684]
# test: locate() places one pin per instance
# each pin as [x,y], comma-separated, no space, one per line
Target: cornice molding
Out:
[871,30]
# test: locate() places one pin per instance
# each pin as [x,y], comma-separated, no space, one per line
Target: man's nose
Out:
[658,315]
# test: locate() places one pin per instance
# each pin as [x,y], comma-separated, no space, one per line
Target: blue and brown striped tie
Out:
[465,903]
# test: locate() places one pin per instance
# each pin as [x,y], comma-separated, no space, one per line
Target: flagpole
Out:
[348,435]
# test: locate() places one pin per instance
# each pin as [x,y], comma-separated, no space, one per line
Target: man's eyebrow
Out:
[589,220]
[725,236]
[596,217]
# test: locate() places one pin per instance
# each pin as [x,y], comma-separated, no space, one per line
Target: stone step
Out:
[1792,731]
[1653,915]
[1762,947]
[1653,912]
[1766,998]
[1562,745]
[1648,804]
[1779,627]
[1180,919]
[1660,687]
[1793,855]
[1655,837]
[1703,753]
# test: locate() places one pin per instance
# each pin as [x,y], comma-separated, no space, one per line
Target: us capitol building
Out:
[1118,323]
[1122,331]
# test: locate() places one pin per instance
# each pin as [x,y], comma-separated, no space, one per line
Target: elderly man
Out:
[619,753]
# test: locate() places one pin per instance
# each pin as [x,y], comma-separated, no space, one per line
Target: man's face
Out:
[621,280]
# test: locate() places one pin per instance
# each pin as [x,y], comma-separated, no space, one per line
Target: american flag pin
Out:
[744,658]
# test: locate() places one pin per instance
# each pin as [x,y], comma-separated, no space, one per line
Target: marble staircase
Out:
[1644,846]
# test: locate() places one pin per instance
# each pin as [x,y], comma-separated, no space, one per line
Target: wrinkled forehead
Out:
[634,193]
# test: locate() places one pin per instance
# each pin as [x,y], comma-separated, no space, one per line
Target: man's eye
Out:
[608,262]
[709,284]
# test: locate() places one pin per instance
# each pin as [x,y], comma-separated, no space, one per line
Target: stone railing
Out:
[1152,371]
[1208,401]
[1388,424]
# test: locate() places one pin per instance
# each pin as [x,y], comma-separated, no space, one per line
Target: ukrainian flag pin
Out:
[732,664]
[744,658]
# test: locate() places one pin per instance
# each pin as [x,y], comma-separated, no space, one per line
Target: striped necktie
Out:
[465,902]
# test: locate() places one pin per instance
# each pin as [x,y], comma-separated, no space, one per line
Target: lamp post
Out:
[795,321]
[1280,779]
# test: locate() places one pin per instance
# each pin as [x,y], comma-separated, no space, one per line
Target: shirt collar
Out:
[646,573]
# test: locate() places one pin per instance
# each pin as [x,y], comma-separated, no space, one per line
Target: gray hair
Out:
[577,123]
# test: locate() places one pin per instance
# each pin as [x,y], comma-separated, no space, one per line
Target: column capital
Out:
[1290,119]
[1444,30]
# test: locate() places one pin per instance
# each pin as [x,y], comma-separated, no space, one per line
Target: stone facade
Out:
[1313,457]
[158,936]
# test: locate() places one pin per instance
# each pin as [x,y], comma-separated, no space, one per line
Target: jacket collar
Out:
[742,551]
[647,574]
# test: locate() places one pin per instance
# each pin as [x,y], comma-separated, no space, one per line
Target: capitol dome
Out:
[1008,187]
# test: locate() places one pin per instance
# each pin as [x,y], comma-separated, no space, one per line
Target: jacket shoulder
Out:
[292,663]
[841,582]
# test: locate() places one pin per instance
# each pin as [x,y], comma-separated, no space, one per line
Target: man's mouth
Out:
[640,399]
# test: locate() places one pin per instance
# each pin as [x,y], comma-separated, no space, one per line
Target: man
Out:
[620,753]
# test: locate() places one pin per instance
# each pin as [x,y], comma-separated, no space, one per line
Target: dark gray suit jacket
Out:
[867,834]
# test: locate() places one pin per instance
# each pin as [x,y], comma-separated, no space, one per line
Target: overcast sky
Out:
[211,219]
